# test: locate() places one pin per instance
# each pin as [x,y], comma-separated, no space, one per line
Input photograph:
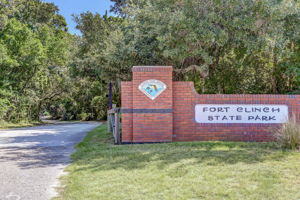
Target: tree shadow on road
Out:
[35,157]
[42,147]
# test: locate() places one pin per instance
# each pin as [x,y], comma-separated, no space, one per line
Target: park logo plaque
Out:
[152,88]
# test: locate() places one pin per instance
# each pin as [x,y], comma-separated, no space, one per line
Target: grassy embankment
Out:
[181,171]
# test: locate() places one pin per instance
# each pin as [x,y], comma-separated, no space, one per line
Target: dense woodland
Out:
[223,46]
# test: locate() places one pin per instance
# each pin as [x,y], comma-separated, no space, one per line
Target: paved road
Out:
[32,159]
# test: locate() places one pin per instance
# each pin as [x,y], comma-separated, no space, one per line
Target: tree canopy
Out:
[34,52]
[223,46]
[210,42]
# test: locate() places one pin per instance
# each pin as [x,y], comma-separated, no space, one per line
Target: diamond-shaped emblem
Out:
[152,88]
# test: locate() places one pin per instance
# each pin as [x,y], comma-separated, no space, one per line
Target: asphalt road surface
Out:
[32,159]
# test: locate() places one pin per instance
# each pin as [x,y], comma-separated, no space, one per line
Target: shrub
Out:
[288,135]
[86,116]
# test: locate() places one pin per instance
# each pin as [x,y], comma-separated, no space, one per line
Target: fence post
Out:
[109,106]
[117,128]
[109,125]
[110,96]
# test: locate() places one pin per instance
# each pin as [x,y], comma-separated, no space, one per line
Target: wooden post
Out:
[109,129]
[110,96]
[117,128]
[109,107]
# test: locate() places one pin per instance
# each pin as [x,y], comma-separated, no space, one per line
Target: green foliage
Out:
[34,51]
[223,46]
[214,40]
[5,104]
[34,13]
[89,70]
[118,6]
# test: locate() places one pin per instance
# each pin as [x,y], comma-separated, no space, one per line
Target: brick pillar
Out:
[126,101]
[152,119]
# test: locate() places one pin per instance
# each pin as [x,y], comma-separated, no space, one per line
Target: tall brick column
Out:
[126,101]
[144,119]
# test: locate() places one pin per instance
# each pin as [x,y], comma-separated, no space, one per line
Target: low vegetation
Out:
[5,125]
[181,171]
[288,135]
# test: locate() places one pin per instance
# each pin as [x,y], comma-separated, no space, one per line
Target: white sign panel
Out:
[241,113]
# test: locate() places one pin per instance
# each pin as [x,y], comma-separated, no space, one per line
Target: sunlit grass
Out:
[180,171]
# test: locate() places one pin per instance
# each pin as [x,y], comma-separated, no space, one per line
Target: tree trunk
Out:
[274,73]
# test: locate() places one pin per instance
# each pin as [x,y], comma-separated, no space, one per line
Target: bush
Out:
[86,116]
[288,136]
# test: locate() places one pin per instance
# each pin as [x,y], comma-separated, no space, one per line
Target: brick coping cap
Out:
[151,68]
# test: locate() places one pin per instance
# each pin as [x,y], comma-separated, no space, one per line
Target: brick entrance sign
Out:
[157,109]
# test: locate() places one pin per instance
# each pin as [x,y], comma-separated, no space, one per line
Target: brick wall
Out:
[186,129]
[171,116]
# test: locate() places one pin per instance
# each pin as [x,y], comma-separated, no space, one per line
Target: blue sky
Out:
[69,7]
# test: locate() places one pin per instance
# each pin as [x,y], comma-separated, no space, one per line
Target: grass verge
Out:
[181,171]
[7,125]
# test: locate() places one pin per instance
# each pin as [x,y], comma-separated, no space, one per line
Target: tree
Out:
[210,42]
[90,69]
[118,6]
[33,57]
[33,13]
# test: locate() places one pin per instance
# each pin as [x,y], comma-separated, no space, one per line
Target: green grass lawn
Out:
[180,171]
